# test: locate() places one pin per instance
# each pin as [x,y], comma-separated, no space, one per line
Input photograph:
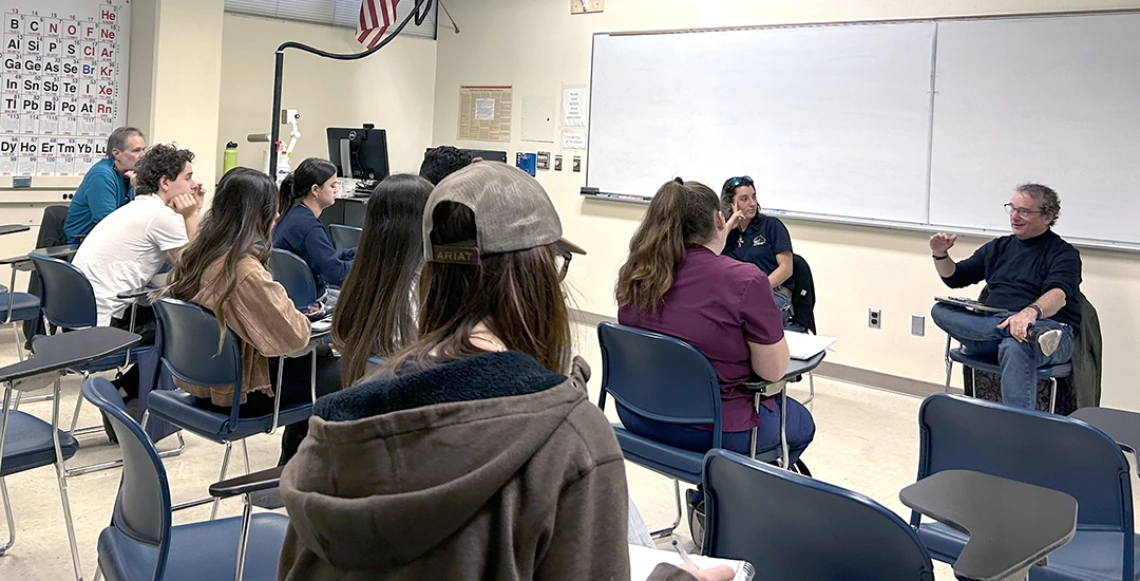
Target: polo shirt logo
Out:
[759,240]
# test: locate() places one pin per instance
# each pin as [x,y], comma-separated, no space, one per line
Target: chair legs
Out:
[222,476]
[7,513]
[811,389]
[660,533]
[61,476]
[949,363]
[243,539]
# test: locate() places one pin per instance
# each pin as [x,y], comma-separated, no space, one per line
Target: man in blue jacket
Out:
[107,185]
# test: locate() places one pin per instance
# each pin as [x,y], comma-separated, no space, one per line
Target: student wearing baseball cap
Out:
[469,455]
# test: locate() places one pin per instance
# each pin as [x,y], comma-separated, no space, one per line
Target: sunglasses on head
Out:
[734,183]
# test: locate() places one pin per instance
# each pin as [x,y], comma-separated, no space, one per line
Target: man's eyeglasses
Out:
[736,182]
[1021,212]
[563,263]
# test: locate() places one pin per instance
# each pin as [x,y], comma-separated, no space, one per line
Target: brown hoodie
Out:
[490,467]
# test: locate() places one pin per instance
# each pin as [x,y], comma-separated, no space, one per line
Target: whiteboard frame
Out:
[590,193]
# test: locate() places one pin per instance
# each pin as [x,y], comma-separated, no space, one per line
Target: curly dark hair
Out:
[160,161]
[440,162]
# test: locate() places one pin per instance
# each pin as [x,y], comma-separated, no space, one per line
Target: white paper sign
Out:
[574,107]
[484,109]
[573,140]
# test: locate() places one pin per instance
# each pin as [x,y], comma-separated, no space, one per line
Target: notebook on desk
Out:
[804,346]
[642,561]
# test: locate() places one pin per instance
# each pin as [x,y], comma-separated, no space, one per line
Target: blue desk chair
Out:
[28,442]
[1041,449]
[188,335]
[664,379]
[790,526]
[344,237]
[69,303]
[17,307]
[991,365]
[141,544]
[293,273]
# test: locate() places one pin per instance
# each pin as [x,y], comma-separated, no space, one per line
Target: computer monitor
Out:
[359,153]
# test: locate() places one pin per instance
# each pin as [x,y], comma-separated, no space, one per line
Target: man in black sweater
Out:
[1034,277]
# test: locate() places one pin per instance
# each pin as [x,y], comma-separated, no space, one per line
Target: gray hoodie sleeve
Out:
[667,572]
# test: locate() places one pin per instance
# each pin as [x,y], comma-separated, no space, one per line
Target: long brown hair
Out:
[518,295]
[681,214]
[241,216]
[375,313]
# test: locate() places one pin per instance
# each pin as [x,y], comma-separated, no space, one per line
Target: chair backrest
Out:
[1034,447]
[142,507]
[344,237]
[293,274]
[793,527]
[187,337]
[66,296]
[658,377]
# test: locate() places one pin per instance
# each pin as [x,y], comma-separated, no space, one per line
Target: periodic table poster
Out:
[63,83]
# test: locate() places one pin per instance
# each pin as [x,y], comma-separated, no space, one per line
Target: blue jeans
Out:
[1019,361]
[784,303]
[800,431]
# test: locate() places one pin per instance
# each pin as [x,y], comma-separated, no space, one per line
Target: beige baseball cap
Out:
[512,212]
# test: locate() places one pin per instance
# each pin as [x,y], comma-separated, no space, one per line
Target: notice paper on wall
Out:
[573,140]
[574,107]
[485,113]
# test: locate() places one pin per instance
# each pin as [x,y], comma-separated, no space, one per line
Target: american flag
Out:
[375,18]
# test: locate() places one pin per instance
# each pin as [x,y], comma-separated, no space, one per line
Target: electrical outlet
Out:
[918,325]
[874,318]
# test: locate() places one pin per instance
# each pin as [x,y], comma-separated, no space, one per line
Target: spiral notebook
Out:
[642,561]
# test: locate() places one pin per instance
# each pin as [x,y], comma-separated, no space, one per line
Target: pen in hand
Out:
[684,555]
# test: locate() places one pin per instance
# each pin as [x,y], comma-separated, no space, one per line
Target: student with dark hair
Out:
[440,162]
[130,245]
[107,186]
[376,314]
[758,238]
[676,282]
[306,193]
[505,469]
[224,270]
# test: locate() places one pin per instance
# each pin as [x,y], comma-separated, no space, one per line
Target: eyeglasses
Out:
[734,183]
[563,263]
[1021,212]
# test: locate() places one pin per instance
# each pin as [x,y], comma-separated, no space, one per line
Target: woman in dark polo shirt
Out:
[676,282]
[759,239]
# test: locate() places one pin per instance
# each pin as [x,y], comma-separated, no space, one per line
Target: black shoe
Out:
[107,428]
[696,501]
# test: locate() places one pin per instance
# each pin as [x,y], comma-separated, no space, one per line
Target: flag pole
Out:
[423,8]
[448,13]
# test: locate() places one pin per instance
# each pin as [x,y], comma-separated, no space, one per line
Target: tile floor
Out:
[867,440]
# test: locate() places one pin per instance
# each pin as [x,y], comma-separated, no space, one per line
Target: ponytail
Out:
[680,215]
[286,195]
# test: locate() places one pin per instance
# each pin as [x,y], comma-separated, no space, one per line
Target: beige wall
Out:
[393,89]
[538,47]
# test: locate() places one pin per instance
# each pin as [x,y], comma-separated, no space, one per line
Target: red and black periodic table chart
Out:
[63,83]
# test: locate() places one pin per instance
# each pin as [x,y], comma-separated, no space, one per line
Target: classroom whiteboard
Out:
[924,125]
[827,119]
[1050,100]
[63,83]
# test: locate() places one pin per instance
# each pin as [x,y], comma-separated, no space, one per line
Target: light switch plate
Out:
[587,6]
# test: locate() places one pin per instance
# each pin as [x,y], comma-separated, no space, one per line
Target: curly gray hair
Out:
[1048,200]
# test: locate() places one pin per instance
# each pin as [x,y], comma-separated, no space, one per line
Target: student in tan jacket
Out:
[224,270]
[469,456]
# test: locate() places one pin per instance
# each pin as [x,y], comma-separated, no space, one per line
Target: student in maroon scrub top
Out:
[676,282]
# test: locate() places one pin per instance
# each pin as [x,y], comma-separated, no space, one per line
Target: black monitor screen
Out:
[367,149]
